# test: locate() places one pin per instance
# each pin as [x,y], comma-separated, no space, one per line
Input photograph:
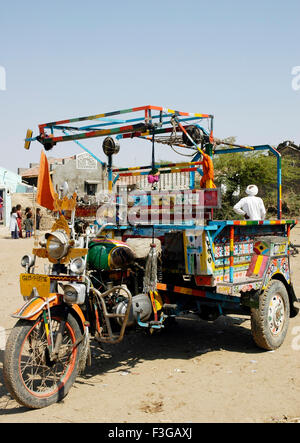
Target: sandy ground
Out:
[194,372]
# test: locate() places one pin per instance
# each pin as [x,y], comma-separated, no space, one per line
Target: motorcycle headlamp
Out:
[27,261]
[77,265]
[74,293]
[57,244]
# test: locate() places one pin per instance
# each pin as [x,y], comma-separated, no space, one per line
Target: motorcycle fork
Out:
[59,336]
[48,329]
[53,348]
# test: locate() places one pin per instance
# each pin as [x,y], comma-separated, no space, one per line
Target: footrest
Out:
[152,324]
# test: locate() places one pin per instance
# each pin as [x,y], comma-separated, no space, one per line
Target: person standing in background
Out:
[28,210]
[19,219]
[251,207]
[13,225]
[28,224]
[38,218]
[1,208]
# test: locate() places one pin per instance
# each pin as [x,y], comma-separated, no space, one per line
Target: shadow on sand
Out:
[185,339]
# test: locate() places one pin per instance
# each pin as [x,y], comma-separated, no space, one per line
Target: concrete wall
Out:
[9,179]
[76,172]
[10,183]
[6,195]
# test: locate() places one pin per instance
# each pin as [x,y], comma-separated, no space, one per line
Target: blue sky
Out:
[65,59]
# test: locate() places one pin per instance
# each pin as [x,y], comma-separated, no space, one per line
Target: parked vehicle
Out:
[151,256]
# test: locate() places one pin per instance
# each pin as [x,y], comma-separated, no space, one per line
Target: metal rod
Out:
[231,254]
[86,150]
[165,165]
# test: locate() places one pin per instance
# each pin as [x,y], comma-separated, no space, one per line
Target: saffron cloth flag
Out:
[45,190]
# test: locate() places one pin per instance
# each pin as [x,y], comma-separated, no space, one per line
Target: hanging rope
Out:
[150,277]
[173,134]
[172,139]
[153,150]
[184,155]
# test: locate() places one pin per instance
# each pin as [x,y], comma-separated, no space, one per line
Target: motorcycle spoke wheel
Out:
[29,374]
[41,376]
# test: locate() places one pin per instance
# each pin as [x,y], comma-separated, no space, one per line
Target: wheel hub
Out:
[276,314]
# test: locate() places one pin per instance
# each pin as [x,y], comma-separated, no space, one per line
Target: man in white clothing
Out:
[251,207]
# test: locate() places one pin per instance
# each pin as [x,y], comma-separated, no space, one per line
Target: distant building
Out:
[288,148]
[88,177]
[10,183]
[82,172]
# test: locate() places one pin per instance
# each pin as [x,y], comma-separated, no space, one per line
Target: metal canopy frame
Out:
[152,121]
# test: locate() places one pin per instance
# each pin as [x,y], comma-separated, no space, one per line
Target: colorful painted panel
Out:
[239,249]
[278,265]
[258,265]
[223,274]
[262,247]
[271,246]
[236,289]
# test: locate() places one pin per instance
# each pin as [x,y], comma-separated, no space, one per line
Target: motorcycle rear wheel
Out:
[29,375]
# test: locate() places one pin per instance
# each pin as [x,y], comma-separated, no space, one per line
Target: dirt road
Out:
[194,372]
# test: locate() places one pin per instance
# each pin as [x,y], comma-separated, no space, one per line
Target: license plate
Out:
[38,281]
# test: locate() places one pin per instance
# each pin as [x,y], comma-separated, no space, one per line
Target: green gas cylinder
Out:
[105,254]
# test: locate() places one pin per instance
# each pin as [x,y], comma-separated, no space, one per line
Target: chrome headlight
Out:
[77,265]
[74,293]
[88,230]
[27,261]
[57,244]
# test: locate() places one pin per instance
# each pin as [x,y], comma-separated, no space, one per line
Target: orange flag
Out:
[45,190]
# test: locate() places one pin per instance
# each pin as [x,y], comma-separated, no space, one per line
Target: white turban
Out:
[252,190]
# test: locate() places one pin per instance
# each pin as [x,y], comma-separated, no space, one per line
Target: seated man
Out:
[251,207]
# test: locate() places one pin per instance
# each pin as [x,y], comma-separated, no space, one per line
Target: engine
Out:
[141,309]
[115,263]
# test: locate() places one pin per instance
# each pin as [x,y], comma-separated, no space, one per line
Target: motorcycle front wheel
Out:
[29,375]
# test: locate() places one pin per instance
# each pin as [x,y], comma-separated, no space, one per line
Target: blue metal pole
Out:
[86,149]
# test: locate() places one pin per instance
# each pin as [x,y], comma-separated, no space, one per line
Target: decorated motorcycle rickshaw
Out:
[143,257]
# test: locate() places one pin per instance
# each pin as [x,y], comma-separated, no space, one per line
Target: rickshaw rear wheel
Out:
[269,322]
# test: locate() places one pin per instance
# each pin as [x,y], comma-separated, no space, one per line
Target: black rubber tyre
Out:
[29,375]
[195,133]
[269,322]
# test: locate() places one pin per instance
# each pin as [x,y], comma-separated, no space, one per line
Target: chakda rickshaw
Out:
[144,257]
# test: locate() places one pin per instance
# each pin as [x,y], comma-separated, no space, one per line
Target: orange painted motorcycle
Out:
[49,345]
